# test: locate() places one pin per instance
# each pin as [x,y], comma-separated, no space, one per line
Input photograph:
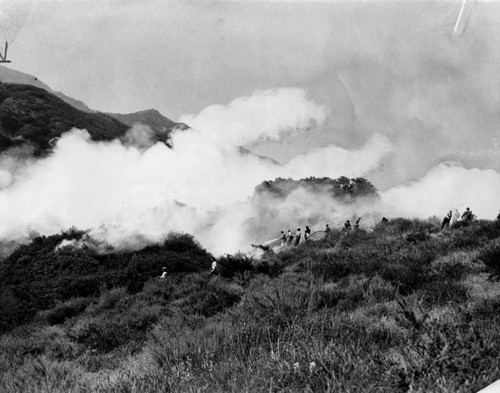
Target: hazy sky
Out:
[394,68]
[123,55]
[388,91]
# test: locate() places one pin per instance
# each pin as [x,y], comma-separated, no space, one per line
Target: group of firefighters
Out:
[294,240]
[453,216]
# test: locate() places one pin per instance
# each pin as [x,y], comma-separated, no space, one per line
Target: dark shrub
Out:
[417,237]
[66,310]
[38,275]
[490,256]
[115,328]
[180,242]
[230,265]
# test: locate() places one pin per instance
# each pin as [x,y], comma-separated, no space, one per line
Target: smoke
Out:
[140,136]
[265,114]
[447,186]
[129,193]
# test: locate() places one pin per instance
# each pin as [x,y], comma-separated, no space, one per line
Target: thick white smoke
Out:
[447,186]
[265,114]
[129,194]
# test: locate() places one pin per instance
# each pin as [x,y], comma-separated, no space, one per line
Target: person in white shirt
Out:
[214,267]
[298,235]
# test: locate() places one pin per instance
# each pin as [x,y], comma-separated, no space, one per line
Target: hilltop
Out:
[8,75]
[32,115]
[29,113]
[403,307]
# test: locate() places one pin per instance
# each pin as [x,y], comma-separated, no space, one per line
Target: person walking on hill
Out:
[298,235]
[328,232]
[213,269]
[307,233]
[446,221]
[164,274]
[283,238]
[347,226]
[356,224]
[289,236]
[467,216]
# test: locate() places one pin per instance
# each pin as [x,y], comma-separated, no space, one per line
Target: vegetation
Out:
[34,116]
[403,308]
[340,188]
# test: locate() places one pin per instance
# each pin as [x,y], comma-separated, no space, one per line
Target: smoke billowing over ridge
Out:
[130,193]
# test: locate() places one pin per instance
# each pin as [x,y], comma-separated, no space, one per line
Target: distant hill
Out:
[29,115]
[342,188]
[160,124]
[8,75]
[32,115]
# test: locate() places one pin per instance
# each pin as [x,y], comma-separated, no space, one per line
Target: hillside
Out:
[160,124]
[31,115]
[402,307]
[342,188]
[8,75]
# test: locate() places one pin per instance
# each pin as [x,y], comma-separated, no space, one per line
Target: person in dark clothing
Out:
[283,238]
[467,216]
[356,224]
[446,221]
[347,226]
[307,233]
[384,220]
[289,236]
[328,232]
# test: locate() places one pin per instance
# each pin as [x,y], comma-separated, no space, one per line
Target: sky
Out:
[394,68]
[360,59]
[397,92]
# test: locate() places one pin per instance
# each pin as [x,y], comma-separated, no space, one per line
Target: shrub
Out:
[230,265]
[110,330]
[490,256]
[197,295]
[66,310]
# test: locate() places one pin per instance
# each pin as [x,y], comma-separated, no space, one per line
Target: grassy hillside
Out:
[32,115]
[402,308]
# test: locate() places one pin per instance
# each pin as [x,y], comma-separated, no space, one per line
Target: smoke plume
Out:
[130,192]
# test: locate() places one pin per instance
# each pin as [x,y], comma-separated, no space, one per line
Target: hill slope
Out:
[8,75]
[160,124]
[32,115]
[402,308]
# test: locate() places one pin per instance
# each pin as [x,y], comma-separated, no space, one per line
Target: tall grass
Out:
[404,308]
